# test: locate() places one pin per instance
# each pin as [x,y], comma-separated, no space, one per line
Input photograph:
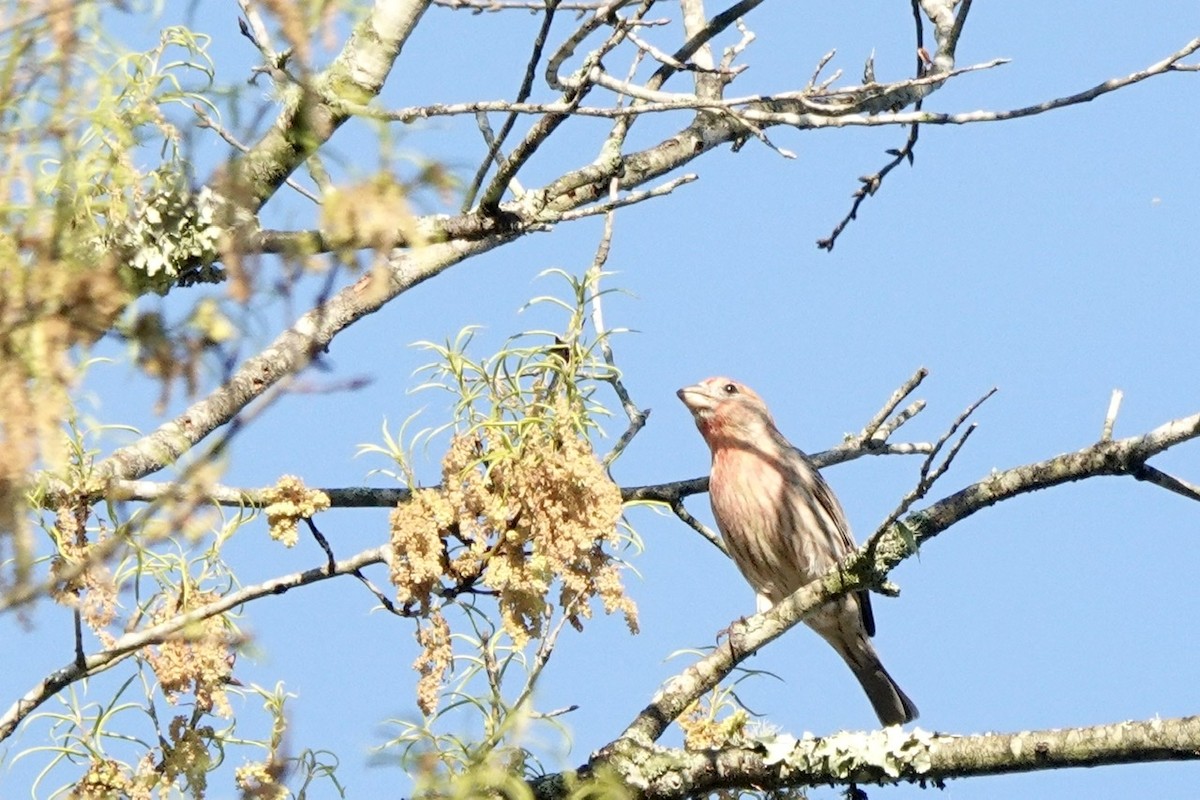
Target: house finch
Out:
[783,527]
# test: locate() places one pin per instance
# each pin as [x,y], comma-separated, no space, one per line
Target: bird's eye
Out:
[730,388]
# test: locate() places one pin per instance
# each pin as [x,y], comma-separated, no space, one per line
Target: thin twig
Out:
[888,428]
[494,143]
[630,198]
[906,153]
[637,417]
[1110,418]
[331,562]
[698,526]
[256,31]
[1159,478]
[207,121]
[871,183]
[929,474]
[825,59]
[558,712]
[903,391]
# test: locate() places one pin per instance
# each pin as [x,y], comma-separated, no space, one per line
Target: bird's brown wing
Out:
[833,510]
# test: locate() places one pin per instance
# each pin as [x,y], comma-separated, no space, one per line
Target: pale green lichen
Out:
[893,751]
[173,240]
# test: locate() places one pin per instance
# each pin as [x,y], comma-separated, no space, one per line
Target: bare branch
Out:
[890,427]
[307,121]
[701,37]
[803,119]
[929,475]
[495,143]
[904,390]
[821,64]
[871,184]
[545,126]
[373,497]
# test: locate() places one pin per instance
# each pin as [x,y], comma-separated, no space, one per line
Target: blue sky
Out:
[1052,257]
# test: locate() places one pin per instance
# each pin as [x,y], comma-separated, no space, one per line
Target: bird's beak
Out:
[696,398]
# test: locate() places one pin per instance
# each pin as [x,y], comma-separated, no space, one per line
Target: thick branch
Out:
[318,108]
[293,350]
[890,756]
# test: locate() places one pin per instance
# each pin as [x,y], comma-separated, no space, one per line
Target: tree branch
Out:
[887,757]
[291,352]
[130,643]
[317,109]
[376,497]
[800,117]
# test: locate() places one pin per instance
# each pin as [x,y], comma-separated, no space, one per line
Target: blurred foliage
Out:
[93,212]
[103,225]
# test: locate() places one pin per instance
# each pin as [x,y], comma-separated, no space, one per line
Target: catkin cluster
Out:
[199,659]
[288,502]
[530,515]
[702,730]
[83,581]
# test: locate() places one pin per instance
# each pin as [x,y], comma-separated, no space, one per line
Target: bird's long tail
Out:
[892,705]
[843,628]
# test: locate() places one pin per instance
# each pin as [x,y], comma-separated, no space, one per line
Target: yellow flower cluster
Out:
[288,502]
[434,661]
[187,756]
[417,563]
[517,511]
[104,780]
[563,510]
[107,779]
[260,781]
[84,581]
[703,731]
[199,659]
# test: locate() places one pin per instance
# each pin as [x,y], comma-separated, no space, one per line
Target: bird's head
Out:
[726,410]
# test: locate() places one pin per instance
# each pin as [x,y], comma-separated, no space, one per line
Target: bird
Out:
[783,527]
